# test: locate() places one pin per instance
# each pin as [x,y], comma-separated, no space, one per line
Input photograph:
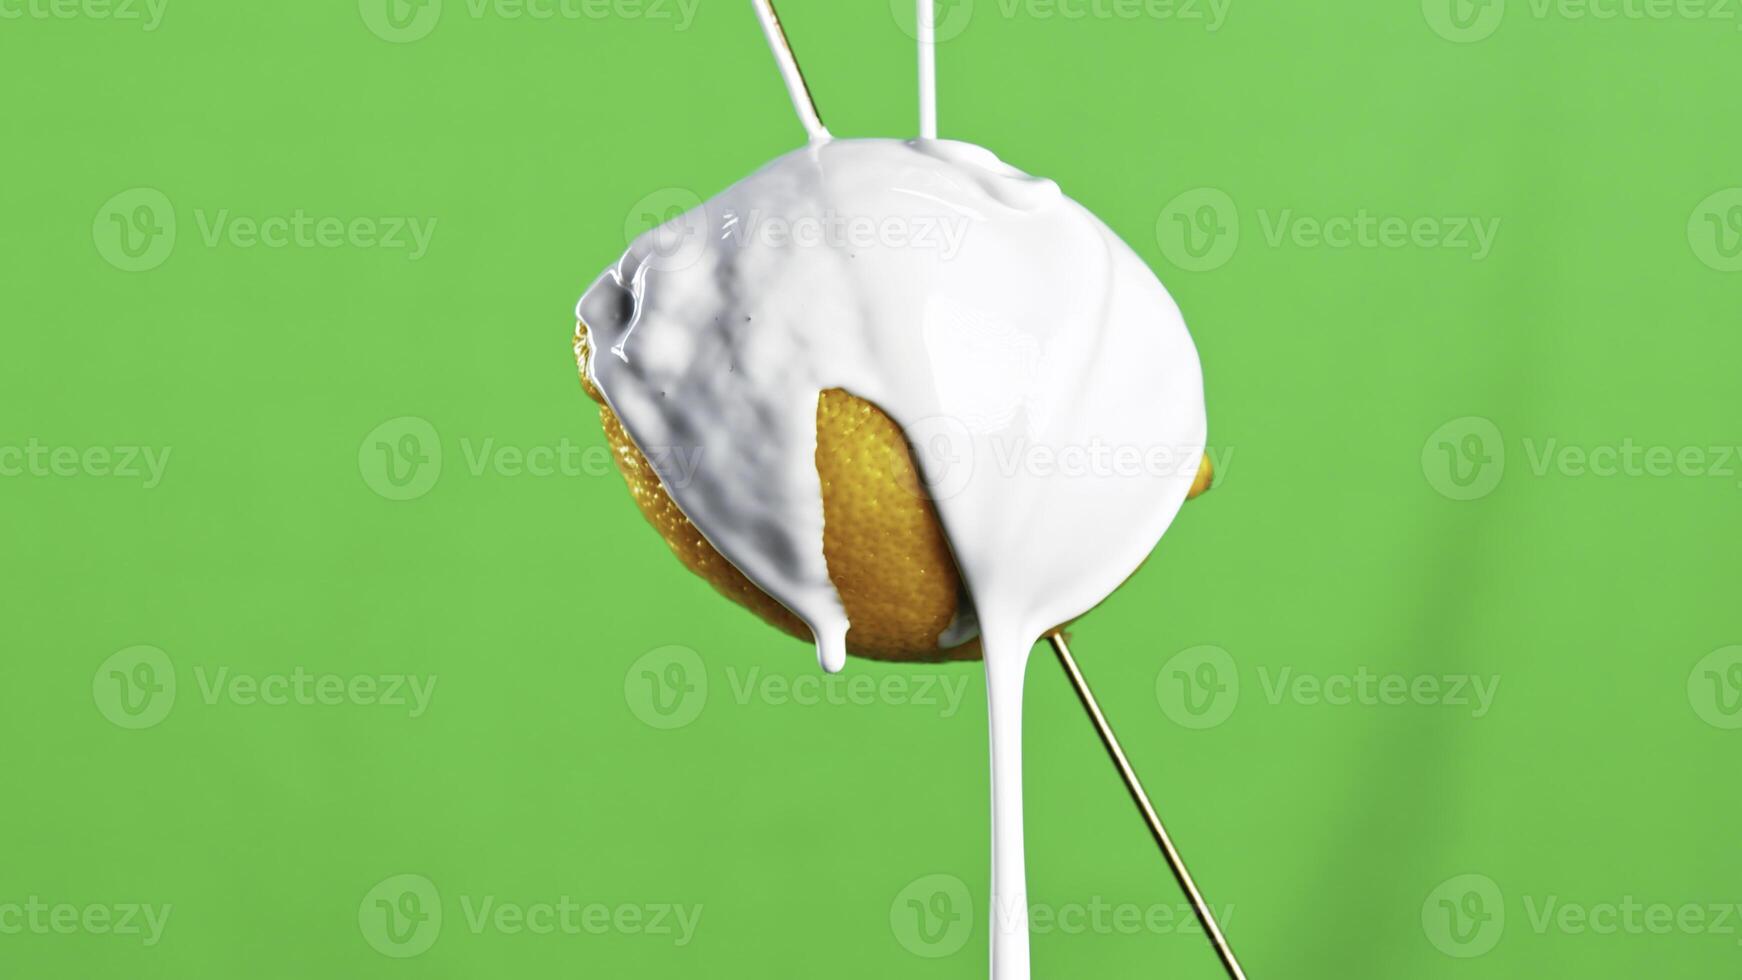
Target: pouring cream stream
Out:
[1042,373]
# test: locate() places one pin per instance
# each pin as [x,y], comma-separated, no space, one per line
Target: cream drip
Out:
[1044,377]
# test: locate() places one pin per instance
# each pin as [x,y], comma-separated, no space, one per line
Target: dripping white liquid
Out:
[1041,330]
[926,22]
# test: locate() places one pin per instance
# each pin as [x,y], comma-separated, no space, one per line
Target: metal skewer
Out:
[796,87]
[1175,863]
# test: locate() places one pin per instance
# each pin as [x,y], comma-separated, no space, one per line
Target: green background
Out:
[1605,315]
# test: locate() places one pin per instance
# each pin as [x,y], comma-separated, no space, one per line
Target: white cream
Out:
[1044,376]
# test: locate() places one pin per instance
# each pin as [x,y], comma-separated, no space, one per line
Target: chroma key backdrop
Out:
[334,646]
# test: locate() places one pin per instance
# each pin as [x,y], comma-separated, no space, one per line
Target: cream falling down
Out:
[1035,334]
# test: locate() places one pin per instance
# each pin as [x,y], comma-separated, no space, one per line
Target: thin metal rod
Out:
[1175,863]
[796,87]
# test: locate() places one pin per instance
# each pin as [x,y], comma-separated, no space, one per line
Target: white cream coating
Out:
[1044,376]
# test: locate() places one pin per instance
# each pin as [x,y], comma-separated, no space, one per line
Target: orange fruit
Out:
[886,551]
